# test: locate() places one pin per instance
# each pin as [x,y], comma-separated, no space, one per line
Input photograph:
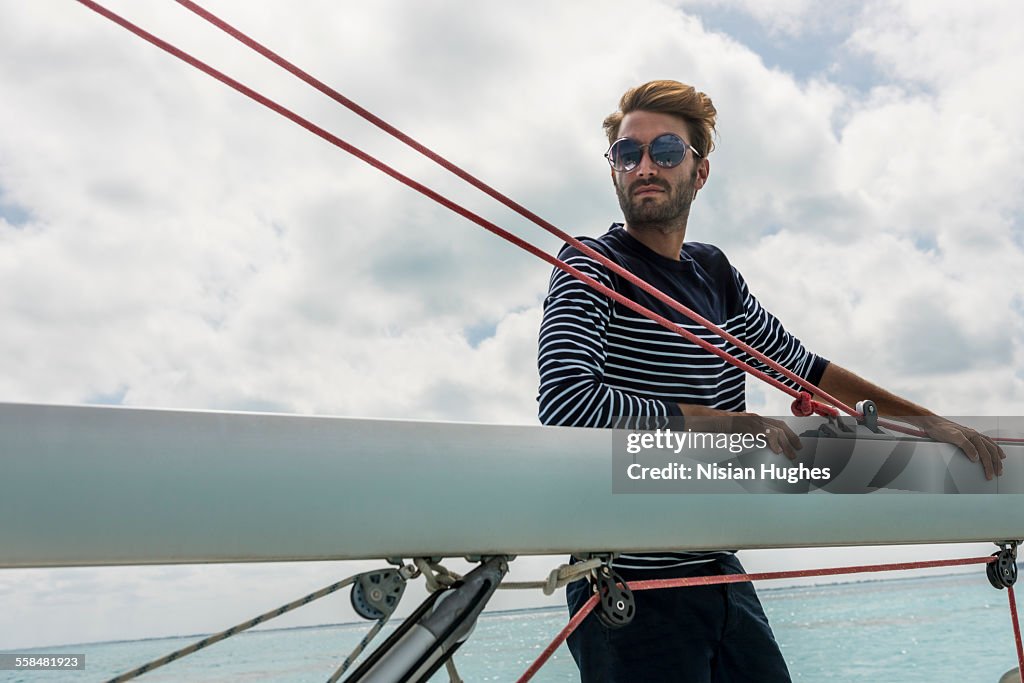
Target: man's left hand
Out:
[975,445]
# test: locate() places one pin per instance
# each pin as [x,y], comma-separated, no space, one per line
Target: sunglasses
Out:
[667,151]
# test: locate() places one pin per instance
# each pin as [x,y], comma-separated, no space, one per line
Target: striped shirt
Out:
[600,361]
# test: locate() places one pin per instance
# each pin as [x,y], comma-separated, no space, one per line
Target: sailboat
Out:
[207,486]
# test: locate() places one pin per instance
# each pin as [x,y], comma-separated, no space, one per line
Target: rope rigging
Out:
[802,396]
[439,579]
[246,625]
[594,601]
[803,404]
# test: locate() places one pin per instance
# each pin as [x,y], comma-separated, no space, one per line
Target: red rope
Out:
[904,429]
[803,405]
[580,615]
[802,573]
[305,76]
[1016,631]
[504,234]
[588,607]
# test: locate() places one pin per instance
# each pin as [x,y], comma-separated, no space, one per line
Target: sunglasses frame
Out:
[646,149]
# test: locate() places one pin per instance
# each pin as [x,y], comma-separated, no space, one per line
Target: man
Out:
[599,360]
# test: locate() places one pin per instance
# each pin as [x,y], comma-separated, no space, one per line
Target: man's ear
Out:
[703,170]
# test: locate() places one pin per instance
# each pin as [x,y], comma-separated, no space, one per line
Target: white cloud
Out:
[937,42]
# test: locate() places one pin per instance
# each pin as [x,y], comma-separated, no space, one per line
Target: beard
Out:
[649,213]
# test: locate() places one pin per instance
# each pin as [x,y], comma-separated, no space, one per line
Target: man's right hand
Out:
[781,439]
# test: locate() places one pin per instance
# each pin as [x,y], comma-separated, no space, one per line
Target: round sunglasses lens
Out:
[625,155]
[667,151]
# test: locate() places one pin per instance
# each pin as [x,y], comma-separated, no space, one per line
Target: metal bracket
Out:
[438,627]
[615,604]
[866,427]
[834,427]
[605,557]
[477,559]
[869,415]
[1002,572]
[375,594]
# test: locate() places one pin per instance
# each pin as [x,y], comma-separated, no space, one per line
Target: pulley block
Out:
[615,606]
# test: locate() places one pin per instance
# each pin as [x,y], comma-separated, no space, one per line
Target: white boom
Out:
[97,485]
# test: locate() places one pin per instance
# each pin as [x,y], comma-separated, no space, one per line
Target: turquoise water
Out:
[945,628]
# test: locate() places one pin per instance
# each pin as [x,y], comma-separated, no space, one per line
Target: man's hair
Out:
[669,97]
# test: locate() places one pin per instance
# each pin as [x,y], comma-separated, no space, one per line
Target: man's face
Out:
[651,196]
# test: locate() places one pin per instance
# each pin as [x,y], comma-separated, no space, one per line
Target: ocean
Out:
[927,629]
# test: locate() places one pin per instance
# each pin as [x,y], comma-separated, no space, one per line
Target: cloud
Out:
[933,42]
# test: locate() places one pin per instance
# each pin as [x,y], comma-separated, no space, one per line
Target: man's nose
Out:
[646,167]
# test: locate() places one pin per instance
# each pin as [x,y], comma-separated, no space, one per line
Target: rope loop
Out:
[567,573]
[437,576]
[803,405]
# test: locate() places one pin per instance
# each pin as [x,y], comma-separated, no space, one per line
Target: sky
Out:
[166,242]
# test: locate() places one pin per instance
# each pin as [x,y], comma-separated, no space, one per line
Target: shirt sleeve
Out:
[572,352]
[766,334]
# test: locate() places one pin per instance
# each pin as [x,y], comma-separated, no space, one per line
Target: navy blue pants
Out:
[696,634]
